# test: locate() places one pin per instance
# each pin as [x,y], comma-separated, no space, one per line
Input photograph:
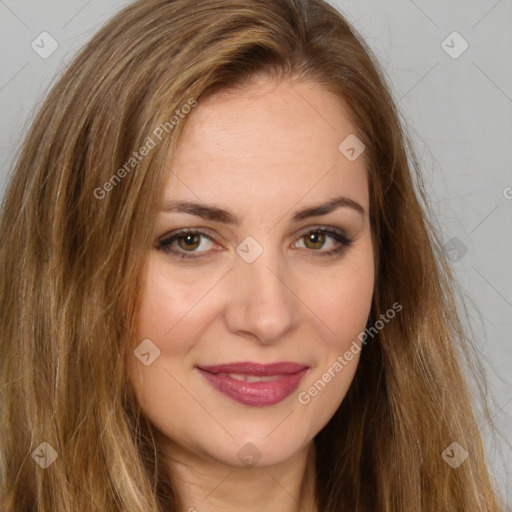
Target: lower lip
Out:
[256,394]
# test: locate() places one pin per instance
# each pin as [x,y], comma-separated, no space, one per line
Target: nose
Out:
[262,303]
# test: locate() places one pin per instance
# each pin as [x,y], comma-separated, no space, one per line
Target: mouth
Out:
[255,384]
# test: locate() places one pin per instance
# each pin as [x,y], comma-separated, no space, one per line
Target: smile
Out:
[255,384]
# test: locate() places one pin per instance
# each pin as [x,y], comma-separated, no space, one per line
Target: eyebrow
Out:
[214,213]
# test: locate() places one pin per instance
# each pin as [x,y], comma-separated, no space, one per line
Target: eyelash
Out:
[338,235]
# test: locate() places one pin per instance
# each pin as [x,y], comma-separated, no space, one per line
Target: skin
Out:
[261,152]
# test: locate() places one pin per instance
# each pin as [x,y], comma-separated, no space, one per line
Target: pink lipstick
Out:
[255,384]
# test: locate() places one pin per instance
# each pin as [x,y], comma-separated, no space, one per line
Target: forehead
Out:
[265,140]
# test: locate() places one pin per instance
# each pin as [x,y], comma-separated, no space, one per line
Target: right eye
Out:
[184,243]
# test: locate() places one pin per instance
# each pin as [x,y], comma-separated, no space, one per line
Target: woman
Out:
[221,286]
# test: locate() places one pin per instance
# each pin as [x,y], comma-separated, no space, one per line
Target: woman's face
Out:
[255,172]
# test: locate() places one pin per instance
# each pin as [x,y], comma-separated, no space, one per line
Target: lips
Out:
[255,384]
[257,369]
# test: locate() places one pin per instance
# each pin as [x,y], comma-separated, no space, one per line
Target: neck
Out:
[204,485]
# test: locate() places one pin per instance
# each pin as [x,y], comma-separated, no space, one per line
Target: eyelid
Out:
[321,227]
[184,231]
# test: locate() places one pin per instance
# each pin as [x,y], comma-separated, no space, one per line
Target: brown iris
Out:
[317,240]
[187,242]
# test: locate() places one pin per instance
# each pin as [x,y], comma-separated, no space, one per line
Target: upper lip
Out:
[258,369]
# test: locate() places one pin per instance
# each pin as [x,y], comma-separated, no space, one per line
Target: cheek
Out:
[342,300]
[175,311]
[344,305]
[170,302]
[166,317]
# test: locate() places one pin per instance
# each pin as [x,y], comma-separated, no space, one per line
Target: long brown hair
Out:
[74,239]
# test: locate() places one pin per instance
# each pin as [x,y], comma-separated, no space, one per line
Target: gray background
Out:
[458,112]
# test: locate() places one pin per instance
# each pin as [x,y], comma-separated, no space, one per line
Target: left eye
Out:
[316,239]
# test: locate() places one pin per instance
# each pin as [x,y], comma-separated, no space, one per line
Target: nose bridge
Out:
[263,302]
